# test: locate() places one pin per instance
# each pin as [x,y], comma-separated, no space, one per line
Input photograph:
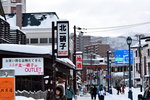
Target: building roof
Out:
[34,20]
[147,37]
[33,50]
[143,42]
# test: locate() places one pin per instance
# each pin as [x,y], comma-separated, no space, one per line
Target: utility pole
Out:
[139,36]
[53,58]
[108,70]
[74,60]
[140,56]
[91,71]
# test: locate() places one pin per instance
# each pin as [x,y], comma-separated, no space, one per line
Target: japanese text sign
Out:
[7,88]
[25,66]
[62,39]
[79,61]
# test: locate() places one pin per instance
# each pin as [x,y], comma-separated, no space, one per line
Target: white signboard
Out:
[25,66]
[62,39]
[79,61]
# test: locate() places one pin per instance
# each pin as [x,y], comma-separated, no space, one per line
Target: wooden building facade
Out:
[38,82]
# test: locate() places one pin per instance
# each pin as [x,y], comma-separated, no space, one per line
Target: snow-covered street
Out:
[114,96]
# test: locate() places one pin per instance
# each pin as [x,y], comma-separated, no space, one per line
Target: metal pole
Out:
[53,59]
[110,80]
[91,71]
[140,58]
[124,75]
[108,70]
[130,86]
[74,60]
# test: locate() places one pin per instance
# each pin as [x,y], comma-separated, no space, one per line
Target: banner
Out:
[25,66]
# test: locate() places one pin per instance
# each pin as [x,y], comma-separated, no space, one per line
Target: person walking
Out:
[50,94]
[59,95]
[118,89]
[69,93]
[94,93]
[101,93]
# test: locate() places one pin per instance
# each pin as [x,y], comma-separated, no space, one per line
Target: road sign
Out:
[108,76]
[122,57]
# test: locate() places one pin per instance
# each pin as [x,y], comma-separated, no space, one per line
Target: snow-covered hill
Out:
[116,43]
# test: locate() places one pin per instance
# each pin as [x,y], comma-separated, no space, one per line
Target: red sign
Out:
[79,61]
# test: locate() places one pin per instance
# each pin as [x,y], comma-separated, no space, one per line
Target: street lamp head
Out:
[109,52]
[129,40]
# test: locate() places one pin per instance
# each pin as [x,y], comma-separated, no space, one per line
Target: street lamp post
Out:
[74,60]
[108,73]
[129,41]
[53,58]
[110,78]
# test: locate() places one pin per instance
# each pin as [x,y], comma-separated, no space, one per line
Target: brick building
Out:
[97,48]
[82,41]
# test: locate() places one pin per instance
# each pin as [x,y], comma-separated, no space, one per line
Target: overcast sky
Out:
[98,14]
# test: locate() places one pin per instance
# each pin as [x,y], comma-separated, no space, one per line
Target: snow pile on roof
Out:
[45,23]
[33,20]
[33,50]
[26,48]
[66,60]
[2,17]
[143,42]
[11,20]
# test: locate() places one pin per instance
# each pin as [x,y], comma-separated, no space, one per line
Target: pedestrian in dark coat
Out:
[69,93]
[59,95]
[93,92]
[50,94]
[118,89]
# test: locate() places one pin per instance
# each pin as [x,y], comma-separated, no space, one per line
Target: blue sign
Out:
[108,76]
[122,57]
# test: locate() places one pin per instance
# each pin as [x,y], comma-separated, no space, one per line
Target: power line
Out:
[116,27]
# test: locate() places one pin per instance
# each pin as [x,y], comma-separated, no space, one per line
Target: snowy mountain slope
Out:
[116,43]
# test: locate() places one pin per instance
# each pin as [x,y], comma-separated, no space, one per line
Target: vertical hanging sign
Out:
[62,39]
[79,61]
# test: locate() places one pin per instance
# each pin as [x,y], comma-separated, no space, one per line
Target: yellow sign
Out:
[7,88]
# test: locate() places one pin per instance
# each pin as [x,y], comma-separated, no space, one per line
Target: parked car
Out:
[146,95]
